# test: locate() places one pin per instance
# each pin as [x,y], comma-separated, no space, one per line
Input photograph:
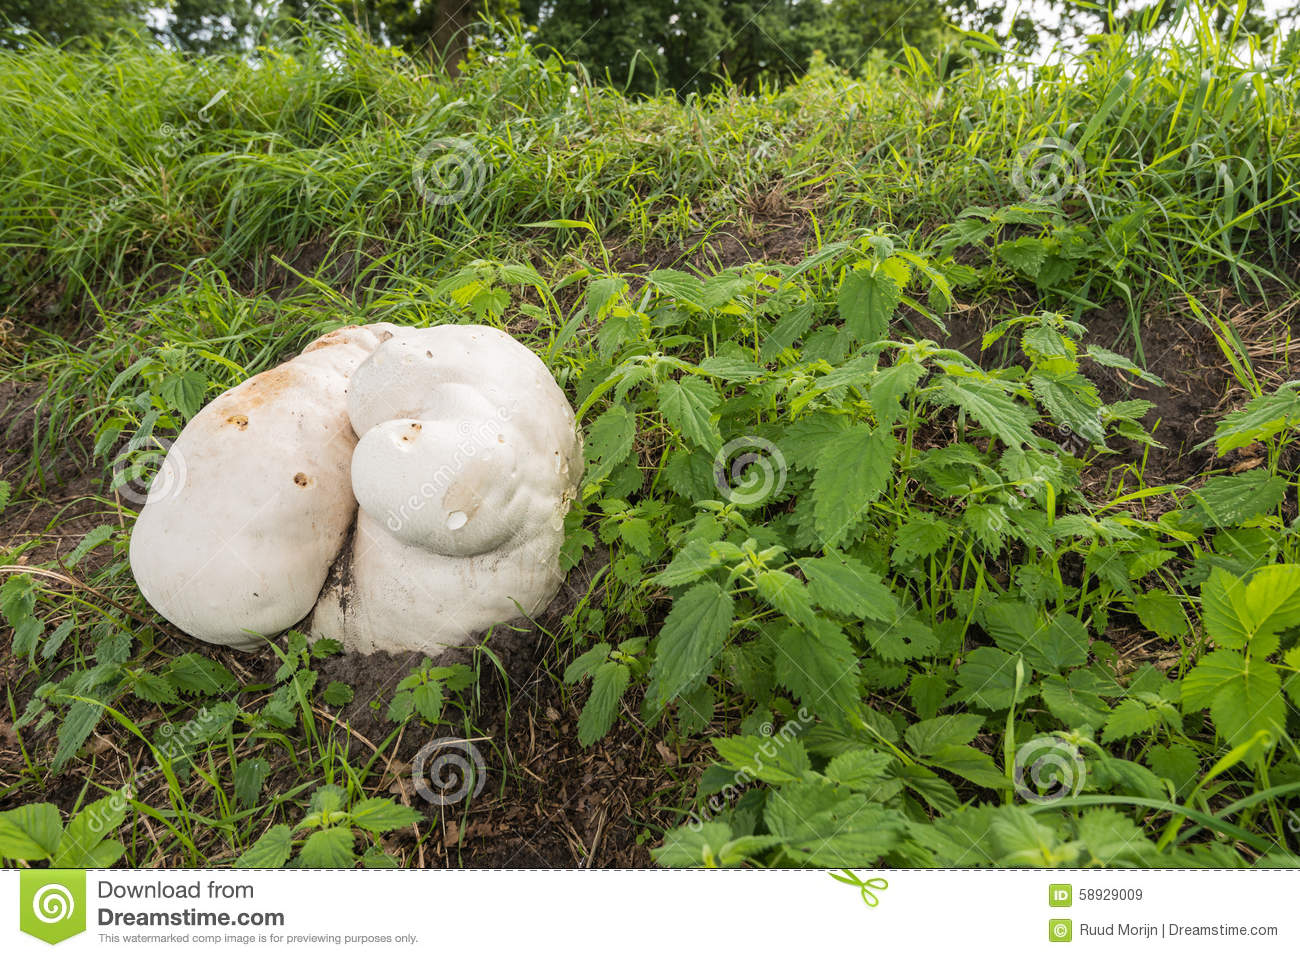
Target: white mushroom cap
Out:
[254,501]
[466,465]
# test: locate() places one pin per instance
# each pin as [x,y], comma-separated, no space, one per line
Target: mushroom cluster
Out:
[393,488]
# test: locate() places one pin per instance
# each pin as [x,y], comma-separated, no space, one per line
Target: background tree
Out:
[61,21]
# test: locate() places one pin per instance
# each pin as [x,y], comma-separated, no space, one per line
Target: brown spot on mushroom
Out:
[302,479]
[416,426]
[428,353]
[239,421]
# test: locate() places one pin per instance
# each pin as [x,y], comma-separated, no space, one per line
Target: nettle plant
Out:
[880,534]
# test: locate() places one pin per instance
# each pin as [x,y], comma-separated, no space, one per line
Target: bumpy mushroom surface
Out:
[467,460]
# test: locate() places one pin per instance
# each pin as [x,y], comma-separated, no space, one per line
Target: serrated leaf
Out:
[692,635]
[156,689]
[852,472]
[786,594]
[819,666]
[925,736]
[1162,613]
[1229,500]
[30,832]
[427,699]
[195,674]
[688,405]
[608,684]
[765,758]
[843,585]
[270,851]
[1259,420]
[1026,255]
[378,815]
[586,663]
[989,405]
[988,679]
[860,769]
[867,302]
[337,694]
[77,725]
[329,848]
[1129,718]
[609,440]
[92,540]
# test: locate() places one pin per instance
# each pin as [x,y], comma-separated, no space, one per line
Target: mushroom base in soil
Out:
[393,488]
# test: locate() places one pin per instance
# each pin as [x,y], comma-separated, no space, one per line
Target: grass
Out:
[879,648]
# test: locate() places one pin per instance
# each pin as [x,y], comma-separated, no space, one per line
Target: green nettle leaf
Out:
[888,388]
[926,736]
[845,586]
[249,776]
[853,470]
[786,594]
[1048,645]
[377,815]
[1129,718]
[607,687]
[1259,420]
[867,302]
[337,694]
[196,674]
[988,679]
[970,763]
[80,721]
[861,769]
[272,850]
[427,699]
[1162,613]
[764,758]
[92,540]
[1074,705]
[819,666]
[329,848]
[823,826]
[1228,500]
[691,638]
[30,832]
[609,440]
[184,392]
[1025,255]
[920,537]
[688,405]
[792,326]
[1072,402]
[709,844]
[155,689]
[988,403]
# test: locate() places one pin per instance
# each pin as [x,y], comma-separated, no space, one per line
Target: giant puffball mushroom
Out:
[467,460]
[256,499]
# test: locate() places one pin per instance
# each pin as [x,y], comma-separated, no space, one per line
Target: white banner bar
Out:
[660,913]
